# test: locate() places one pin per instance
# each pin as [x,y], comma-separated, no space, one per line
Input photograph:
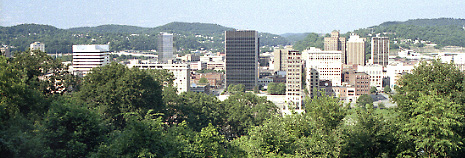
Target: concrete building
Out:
[356,50]
[241,49]
[165,47]
[313,81]
[181,72]
[198,65]
[37,46]
[327,63]
[279,56]
[376,75]
[86,57]
[336,43]
[380,50]
[396,70]
[293,82]
[359,80]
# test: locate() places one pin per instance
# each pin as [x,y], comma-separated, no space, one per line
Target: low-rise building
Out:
[181,72]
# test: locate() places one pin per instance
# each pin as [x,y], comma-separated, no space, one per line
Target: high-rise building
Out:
[356,50]
[37,46]
[336,43]
[327,63]
[380,50]
[279,56]
[165,47]
[241,49]
[86,57]
[313,81]
[293,81]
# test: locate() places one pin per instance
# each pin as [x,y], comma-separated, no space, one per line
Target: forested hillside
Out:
[442,31]
[188,36]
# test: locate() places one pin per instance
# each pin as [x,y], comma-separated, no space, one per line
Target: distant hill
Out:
[428,22]
[194,28]
[294,37]
[110,29]
[124,37]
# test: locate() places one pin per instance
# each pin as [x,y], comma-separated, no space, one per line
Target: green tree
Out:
[71,131]
[364,100]
[368,134]
[432,127]
[209,143]
[276,88]
[203,80]
[387,89]
[327,111]
[373,90]
[236,88]
[114,90]
[35,64]
[198,109]
[244,110]
[140,138]
[269,139]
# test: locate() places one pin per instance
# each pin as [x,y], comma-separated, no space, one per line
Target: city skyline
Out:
[319,17]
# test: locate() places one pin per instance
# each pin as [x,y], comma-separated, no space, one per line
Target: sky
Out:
[278,17]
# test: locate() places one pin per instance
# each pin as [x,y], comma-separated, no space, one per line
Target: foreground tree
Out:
[428,104]
[432,129]
[114,90]
[71,131]
[364,100]
[244,110]
[368,134]
[326,111]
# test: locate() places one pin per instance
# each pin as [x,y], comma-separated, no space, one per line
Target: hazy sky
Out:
[294,16]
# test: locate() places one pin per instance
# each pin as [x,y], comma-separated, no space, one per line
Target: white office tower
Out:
[293,82]
[165,47]
[86,57]
[181,72]
[327,63]
[37,46]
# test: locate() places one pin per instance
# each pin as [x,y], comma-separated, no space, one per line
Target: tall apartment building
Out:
[356,50]
[165,47]
[241,48]
[37,46]
[336,43]
[327,63]
[279,55]
[293,82]
[181,73]
[313,81]
[86,57]
[380,50]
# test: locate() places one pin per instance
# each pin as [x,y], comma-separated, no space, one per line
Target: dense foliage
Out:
[121,112]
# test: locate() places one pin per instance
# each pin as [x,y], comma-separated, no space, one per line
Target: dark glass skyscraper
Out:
[241,49]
